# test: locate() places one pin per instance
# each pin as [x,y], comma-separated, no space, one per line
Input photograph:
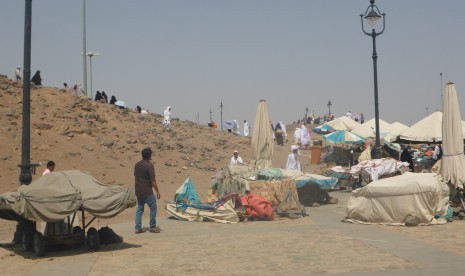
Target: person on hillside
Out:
[37,79]
[50,167]
[104,96]
[356,117]
[366,153]
[297,135]
[279,134]
[349,114]
[167,118]
[145,180]
[236,128]
[246,129]
[98,96]
[283,127]
[80,92]
[293,159]
[305,138]
[362,119]
[113,100]
[18,73]
[236,159]
[139,109]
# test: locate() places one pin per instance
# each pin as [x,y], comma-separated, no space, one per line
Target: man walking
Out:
[144,173]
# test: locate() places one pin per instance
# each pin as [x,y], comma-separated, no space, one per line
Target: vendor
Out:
[236,159]
[366,154]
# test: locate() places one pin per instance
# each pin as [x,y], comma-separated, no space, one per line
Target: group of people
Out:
[36,79]
[356,117]
[302,137]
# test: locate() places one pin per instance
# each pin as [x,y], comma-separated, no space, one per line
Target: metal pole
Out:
[91,90]
[221,107]
[25,176]
[375,73]
[84,50]
[442,99]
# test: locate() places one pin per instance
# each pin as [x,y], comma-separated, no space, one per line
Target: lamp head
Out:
[372,17]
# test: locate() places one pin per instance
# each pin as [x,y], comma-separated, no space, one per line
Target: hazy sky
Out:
[193,54]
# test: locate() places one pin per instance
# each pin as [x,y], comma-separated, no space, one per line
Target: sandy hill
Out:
[106,141]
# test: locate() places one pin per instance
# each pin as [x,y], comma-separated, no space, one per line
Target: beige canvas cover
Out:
[275,191]
[391,200]
[343,123]
[57,195]
[368,129]
[262,138]
[453,161]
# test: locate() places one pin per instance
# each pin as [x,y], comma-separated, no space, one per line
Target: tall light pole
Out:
[25,176]
[84,49]
[90,55]
[442,99]
[372,15]
[221,108]
[329,107]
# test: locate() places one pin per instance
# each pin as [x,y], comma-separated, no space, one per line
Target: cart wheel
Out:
[77,229]
[26,240]
[93,239]
[39,244]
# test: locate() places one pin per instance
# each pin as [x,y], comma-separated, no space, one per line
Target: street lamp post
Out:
[221,107]
[372,15]
[90,55]
[442,99]
[25,176]
[84,50]
[329,107]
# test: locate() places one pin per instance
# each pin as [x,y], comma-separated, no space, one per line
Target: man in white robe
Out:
[297,136]
[293,160]
[283,128]
[166,118]
[18,73]
[246,129]
[236,159]
[305,137]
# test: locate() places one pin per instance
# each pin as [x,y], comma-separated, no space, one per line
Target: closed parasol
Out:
[262,138]
[453,161]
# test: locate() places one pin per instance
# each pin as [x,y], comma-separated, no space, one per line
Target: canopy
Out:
[368,129]
[262,138]
[343,138]
[228,124]
[120,103]
[57,195]
[453,160]
[343,123]
[397,128]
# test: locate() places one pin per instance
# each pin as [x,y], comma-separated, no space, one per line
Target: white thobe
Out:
[293,162]
[237,161]
[246,129]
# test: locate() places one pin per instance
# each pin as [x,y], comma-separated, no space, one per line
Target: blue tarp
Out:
[322,183]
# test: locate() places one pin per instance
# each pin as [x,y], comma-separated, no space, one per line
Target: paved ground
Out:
[317,244]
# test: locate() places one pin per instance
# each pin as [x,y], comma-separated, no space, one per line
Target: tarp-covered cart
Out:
[55,199]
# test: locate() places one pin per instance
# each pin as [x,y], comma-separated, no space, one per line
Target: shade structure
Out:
[121,104]
[397,128]
[427,130]
[343,123]
[343,138]
[453,160]
[262,138]
[368,129]
[228,124]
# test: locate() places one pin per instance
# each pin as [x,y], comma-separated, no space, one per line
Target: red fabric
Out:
[258,207]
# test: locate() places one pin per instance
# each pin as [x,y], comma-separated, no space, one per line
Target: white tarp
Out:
[57,195]
[391,200]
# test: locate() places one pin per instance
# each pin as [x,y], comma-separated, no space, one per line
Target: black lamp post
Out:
[329,107]
[372,15]
[25,176]
[221,107]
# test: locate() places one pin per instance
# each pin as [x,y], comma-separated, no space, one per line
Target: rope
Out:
[449,155]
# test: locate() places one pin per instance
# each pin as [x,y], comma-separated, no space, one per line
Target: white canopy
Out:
[428,129]
[397,128]
[343,123]
[368,129]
